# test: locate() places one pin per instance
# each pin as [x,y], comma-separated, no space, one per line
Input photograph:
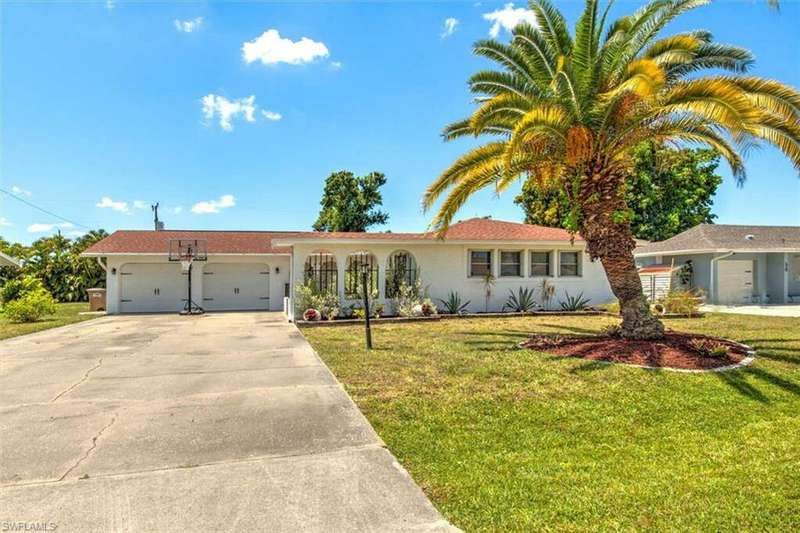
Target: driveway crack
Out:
[88,451]
[84,378]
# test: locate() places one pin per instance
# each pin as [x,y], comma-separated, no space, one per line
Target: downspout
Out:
[712,285]
[104,266]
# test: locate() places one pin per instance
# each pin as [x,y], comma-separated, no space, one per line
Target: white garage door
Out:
[735,281]
[152,287]
[235,287]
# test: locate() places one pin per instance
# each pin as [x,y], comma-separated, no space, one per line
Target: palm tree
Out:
[565,112]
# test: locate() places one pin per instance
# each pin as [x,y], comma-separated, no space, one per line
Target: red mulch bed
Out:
[675,350]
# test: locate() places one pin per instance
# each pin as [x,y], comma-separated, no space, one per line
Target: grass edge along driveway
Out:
[67,313]
[509,439]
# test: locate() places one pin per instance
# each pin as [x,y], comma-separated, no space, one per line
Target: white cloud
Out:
[507,18]
[188,26]
[214,206]
[139,204]
[177,209]
[19,191]
[271,115]
[229,109]
[270,48]
[4,222]
[336,65]
[43,228]
[111,4]
[76,233]
[107,203]
[449,27]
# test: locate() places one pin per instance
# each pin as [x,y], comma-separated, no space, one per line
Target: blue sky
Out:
[107,101]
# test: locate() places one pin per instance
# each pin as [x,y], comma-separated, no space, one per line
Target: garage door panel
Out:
[152,288]
[235,287]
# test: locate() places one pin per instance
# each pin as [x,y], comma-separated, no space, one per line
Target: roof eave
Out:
[471,242]
[717,251]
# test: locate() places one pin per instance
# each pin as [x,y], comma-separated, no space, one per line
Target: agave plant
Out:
[453,304]
[567,109]
[574,303]
[521,302]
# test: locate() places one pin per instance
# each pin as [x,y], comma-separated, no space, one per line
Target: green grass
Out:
[508,439]
[67,313]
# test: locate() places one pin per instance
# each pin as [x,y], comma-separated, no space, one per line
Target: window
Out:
[796,267]
[510,264]
[568,264]
[357,264]
[480,263]
[540,264]
[401,268]
[320,272]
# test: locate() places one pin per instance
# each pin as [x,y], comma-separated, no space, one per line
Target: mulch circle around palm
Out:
[676,350]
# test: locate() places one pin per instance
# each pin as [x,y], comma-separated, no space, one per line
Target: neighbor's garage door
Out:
[235,287]
[735,281]
[152,287]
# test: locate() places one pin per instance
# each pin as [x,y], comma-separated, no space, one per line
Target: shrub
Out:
[682,302]
[30,307]
[308,297]
[613,307]
[521,302]
[453,305]
[548,291]
[407,297]
[574,303]
[14,289]
[357,310]
[709,348]
[427,307]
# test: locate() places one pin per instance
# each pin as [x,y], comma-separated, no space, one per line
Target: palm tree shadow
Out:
[737,380]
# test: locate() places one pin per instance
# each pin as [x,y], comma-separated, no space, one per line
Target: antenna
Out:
[159,225]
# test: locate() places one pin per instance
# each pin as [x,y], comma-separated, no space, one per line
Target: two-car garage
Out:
[162,287]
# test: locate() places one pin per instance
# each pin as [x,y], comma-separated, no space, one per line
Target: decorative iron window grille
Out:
[401,268]
[321,273]
[357,263]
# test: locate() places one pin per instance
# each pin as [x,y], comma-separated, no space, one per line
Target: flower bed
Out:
[676,351]
[442,316]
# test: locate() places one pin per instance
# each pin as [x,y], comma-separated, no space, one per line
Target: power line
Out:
[43,210]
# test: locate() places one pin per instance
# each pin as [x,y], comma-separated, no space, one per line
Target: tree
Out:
[56,261]
[668,191]
[568,110]
[349,203]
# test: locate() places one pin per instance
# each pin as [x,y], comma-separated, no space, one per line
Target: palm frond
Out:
[491,152]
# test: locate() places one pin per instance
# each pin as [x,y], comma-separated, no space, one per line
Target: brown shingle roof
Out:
[260,242]
[157,242]
[723,237]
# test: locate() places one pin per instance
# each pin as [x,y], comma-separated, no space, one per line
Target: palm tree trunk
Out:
[608,236]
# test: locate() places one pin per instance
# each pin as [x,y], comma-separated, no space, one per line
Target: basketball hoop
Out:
[186,251]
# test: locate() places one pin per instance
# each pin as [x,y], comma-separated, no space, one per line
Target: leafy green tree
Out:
[56,261]
[349,203]
[567,110]
[668,191]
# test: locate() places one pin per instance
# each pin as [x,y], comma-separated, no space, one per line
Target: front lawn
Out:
[501,438]
[67,313]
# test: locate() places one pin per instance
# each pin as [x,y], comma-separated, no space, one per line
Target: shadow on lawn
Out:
[738,379]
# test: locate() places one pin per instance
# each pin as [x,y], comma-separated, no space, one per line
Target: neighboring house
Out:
[7,260]
[256,270]
[732,264]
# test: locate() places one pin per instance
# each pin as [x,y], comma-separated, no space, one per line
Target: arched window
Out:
[320,272]
[357,264]
[400,268]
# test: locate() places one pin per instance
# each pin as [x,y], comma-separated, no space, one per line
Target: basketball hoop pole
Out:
[187,251]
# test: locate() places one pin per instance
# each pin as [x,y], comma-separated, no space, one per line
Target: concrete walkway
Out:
[224,422]
[788,310]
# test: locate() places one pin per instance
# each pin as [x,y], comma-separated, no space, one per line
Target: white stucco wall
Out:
[444,268]
[277,280]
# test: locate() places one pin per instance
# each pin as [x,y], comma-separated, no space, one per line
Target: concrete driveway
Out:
[223,422]
[786,310]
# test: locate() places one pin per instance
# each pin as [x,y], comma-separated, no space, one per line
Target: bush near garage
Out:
[30,307]
[15,289]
